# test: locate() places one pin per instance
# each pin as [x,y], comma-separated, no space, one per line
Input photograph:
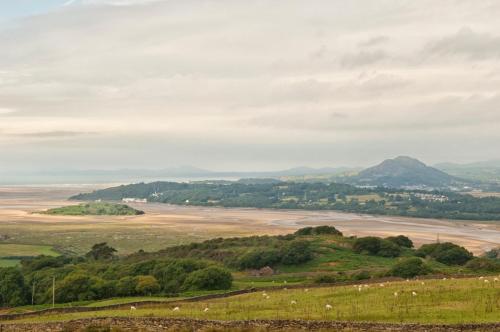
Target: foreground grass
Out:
[95,209]
[435,301]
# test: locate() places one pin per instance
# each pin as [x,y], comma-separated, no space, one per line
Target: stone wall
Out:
[166,324]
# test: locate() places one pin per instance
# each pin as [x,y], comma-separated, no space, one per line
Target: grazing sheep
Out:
[306,290]
[382,285]
[480,278]
[267,297]
[444,278]
[205,310]
[486,281]
[395,294]
[176,309]
[133,308]
[423,283]
[293,302]
[414,293]
[328,307]
[495,279]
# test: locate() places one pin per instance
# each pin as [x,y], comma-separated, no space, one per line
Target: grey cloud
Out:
[363,58]
[467,42]
[374,41]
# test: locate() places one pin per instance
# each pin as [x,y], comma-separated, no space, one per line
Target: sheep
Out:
[176,309]
[495,279]
[293,302]
[414,293]
[328,307]
[395,294]
[267,297]
[382,285]
[360,289]
[205,310]
[486,281]
[306,290]
[422,283]
[133,308]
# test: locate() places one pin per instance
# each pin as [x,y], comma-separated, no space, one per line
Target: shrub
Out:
[126,286]
[367,245]
[376,246]
[325,279]
[409,268]
[147,285]
[210,278]
[330,230]
[259,258]
[388,249]
[447,253]
[401,240]
[297,252]
[13,291]
[483,264]
[361,275]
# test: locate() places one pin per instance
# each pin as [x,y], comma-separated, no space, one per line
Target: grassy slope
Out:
[437,301]
[108,209]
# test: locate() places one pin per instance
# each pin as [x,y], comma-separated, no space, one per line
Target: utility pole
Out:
[53,292]
[33,294]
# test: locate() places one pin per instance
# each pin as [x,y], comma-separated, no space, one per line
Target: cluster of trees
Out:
[388,247]
[100,274]
[312,196]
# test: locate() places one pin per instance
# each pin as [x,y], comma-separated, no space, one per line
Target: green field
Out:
[25,250]
[95,209]
[434,301]
[8,262]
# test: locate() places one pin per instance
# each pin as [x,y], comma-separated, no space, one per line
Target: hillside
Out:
[95,209]
[308,196]
[405,172]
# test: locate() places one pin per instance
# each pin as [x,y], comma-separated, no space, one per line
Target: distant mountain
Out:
[405,172]
[485,172]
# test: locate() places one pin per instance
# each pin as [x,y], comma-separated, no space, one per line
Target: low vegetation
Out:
[311,255]
[95,209]
[310,196]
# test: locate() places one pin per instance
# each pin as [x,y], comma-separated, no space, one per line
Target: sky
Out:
[247,85]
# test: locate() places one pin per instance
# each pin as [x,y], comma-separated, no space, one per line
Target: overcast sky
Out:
[247,85]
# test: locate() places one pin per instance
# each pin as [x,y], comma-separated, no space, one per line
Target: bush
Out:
[447,253]
[388,249]
[401,240]
[147,285]
[376,246]
[210,278]
[361,275]
[367,245]
[297,252]
[259,258]
[126,286]
[409,268]
[483,264]
[13,291]
[325,279]
[330,230]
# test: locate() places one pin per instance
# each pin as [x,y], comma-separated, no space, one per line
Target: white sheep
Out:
[205,310]
[133,308]
[495,279]
[293,302]
[328,307]
[395,294]
[267,297]
[422,283]
[414,293]
[176,309]
[382,285]
[306,290]
[486,281]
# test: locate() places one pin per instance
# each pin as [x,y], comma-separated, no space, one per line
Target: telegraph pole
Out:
[53,292]
[33,294]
